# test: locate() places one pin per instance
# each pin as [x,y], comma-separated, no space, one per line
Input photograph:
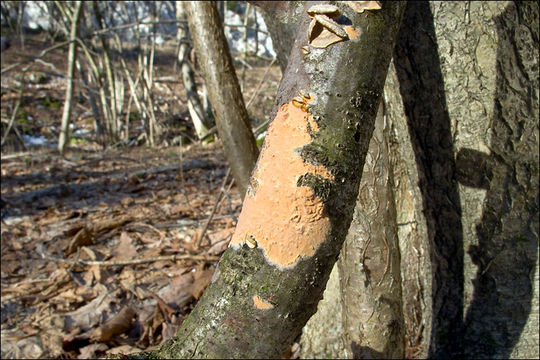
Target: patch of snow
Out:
[36,17]
[81,132]
[35,141]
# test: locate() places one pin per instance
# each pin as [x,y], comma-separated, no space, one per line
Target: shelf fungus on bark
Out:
[360,6]
[323,30]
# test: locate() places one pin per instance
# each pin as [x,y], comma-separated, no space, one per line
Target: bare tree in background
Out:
[75,17]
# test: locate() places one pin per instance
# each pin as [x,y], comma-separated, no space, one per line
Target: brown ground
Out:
[99,248]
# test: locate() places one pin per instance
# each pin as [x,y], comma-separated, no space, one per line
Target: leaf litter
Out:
[104,261]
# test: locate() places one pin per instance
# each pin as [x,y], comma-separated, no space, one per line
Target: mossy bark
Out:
[267,285]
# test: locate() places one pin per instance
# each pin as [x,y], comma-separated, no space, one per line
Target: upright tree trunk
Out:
[220,78]
[463,106]
[301,197]
[474,129]
[72,54]
[369,265]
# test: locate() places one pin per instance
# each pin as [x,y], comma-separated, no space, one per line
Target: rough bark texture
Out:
[300,202]
[463,106]
[411,224]
[369,265]
[473,123]
[220,78]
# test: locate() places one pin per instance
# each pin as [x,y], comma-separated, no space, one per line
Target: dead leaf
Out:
[127,201]
[89,315]
[123,350]
[125,249]
[83,238]
[89,352]
[360,6]
[117,325]
[200,282]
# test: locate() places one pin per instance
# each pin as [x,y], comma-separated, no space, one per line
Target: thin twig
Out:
[257,89]
[222,188]
[174,257]
[13,116]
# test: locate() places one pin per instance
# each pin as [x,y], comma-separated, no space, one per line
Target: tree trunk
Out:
[72,55]
[463,106]
[282,23]
[199,117]
[369,265]
[220,78]
[301,197]
[478,167]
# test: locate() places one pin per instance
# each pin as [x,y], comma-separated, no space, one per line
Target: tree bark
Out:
[220,78]
[473,123]
[463,107]
[369,265]
[72,54]
[301,197]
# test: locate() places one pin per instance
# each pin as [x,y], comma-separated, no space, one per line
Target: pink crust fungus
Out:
[288,221]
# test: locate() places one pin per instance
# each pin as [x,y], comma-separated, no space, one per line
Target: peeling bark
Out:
[270,279]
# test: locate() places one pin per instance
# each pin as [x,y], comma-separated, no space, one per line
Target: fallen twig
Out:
[222,189]
[258,88]
[174,257]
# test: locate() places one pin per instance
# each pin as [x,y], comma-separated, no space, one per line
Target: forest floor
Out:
[107,251]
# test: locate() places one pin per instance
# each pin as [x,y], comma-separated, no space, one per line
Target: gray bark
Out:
[463,106]
[269,281]
[473,124]
[369,265]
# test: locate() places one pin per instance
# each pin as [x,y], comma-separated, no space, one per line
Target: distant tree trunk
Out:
[199,117]
[282,24]
[72,55]
[220,78]
[301,197]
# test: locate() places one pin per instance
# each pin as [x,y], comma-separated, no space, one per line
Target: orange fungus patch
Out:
[352,33]
[287,221]
[261,304]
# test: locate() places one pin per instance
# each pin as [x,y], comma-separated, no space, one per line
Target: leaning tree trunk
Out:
[199,117]
[302,194]
[220,78]
[72,54]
